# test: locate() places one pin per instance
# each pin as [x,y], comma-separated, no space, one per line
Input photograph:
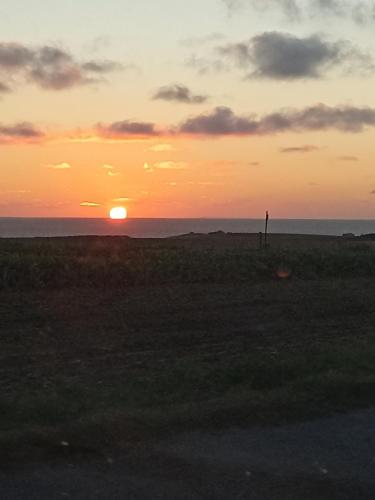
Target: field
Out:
[109,341]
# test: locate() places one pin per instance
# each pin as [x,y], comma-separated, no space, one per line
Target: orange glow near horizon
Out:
[220,178]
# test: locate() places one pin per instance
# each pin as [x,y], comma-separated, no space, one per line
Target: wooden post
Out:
[260,240]
[266,231]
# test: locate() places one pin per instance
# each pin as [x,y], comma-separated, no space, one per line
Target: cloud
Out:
[179,93]
[165,165]
[4,89]
[205,65]
[101,66]
[122,199]
[299,149]
[126,128]
[19,191]
[162,148]
[49,67]
[171,165]
[60,166]
[283,56]
[360,11]
[14,56]
[148,168]
[20,132]
[90,204]
[222,121]
[110,170]
[347,158]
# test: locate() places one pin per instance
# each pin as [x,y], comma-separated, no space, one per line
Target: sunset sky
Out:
[199,108]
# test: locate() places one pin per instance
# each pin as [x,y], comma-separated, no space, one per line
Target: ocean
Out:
[160,228]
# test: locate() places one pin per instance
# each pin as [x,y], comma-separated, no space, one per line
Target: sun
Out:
[118,213]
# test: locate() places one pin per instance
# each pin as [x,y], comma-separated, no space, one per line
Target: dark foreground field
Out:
[94,363]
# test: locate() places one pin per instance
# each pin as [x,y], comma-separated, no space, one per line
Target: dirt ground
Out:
[226,357]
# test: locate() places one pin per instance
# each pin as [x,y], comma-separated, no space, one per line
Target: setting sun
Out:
[118,213]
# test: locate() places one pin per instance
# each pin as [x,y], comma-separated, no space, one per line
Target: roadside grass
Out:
[191,394]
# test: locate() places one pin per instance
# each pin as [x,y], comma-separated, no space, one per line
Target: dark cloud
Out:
[223,121]
[14,56]
[179,93]
[49,67]
[128,128]
[299,149]
[101,66]
[360,11]
[286,57]
[56,78]
[4,89]
[19,132]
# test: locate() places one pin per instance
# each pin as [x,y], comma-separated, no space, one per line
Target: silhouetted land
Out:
[109,341]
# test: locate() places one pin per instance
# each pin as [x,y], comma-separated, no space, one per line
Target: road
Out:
[326,459]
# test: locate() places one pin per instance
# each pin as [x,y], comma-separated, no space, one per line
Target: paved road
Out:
[327,459]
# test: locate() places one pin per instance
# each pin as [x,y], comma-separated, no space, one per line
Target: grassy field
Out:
[112,262]
[108,341]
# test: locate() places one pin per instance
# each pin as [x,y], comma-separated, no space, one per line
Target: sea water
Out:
[160,228]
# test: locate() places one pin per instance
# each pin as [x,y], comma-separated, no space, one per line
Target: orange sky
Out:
[226,115]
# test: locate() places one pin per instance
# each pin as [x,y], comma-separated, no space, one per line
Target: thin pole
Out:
[266,230]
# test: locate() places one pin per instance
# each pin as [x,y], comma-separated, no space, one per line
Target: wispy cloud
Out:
[122,199]
[60,166]
[24,132]
[360,11]
[165,165]
[308,148]
[18,191]
[90,204]
[179,93]
[110,169]
[162,148]
[171,165]
[348,158]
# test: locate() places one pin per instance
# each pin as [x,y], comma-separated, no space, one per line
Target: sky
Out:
[206,108]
